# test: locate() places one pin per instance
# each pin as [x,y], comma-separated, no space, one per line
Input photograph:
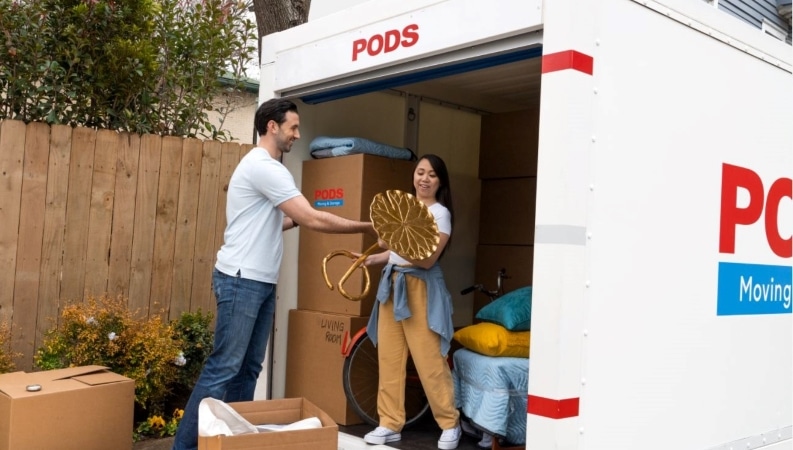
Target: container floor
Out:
[422,436]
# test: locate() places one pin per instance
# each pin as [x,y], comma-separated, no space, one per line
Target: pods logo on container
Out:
[386,42]
[328,198]
[750,288]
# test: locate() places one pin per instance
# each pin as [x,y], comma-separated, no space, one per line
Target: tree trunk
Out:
[278,15]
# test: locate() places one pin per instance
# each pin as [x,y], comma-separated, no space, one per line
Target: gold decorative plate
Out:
[404,223]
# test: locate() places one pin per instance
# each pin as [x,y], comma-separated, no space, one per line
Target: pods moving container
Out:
[630,160]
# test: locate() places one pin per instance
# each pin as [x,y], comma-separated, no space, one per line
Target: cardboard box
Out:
[344,186]
[315,360]
[81,407]
[516,259]
[508,144]
[281,412]
[506,212]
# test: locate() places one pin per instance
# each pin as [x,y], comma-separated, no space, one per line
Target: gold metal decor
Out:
[404,223]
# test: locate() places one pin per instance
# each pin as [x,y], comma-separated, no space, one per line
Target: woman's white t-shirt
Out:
[443,219]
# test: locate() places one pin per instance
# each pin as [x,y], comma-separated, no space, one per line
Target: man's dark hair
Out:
[273,109]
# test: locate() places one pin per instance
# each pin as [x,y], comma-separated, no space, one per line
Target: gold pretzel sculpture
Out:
[404,223]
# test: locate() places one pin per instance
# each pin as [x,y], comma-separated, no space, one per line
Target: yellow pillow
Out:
[494,340]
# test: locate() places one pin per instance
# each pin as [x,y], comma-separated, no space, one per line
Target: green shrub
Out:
[6,354]
[141,66]
[164,360]
[104,332]
[193,330]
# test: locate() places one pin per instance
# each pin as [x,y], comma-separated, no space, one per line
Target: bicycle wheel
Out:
[360,379]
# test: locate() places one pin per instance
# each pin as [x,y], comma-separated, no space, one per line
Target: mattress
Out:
[492,392]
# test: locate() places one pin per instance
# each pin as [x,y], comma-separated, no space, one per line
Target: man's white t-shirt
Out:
[444,221]
[253,241]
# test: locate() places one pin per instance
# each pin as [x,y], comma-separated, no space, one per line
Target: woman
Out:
[418,322]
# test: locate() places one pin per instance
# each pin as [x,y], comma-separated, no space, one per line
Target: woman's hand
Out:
[372,260]
[356,255]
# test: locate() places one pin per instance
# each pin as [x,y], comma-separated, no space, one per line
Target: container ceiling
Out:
[502,88]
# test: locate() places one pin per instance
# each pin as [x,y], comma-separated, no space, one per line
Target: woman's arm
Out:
[429,262]
[373,260]
[378,258]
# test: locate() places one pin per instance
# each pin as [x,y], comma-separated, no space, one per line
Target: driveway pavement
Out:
[154,444]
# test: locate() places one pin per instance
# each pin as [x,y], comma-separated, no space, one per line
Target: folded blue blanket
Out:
[326,147]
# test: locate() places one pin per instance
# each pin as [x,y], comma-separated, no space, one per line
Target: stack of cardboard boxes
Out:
[508,170]
[324,322]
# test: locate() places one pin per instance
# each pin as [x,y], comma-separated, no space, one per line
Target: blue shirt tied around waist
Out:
[439,301]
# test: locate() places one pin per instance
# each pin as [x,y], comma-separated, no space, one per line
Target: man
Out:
[262,202]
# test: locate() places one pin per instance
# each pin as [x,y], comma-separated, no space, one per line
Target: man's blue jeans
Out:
[245,311]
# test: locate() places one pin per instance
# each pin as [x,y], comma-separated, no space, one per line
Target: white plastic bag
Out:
[218,418]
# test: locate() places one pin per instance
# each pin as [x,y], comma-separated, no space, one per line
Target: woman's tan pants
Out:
[395,340]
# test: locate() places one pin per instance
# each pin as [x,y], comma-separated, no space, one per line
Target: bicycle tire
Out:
[360,380]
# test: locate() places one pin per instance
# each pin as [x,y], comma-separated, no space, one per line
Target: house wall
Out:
[754,11]
[241,107]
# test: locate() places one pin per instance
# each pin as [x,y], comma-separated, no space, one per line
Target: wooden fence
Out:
[86,212]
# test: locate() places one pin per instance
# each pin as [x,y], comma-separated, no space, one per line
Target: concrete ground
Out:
[154,444]
[346,442]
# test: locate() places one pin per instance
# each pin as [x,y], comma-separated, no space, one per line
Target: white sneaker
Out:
[381,435]
[450,438]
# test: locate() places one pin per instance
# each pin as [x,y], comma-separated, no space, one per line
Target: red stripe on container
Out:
[569,59]
[554,409]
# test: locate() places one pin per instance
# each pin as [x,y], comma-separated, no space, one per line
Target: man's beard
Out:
[284,146]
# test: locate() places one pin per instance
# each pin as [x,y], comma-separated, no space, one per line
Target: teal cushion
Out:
[512,310]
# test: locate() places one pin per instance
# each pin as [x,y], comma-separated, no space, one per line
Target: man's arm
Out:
[300,211]
[288,224]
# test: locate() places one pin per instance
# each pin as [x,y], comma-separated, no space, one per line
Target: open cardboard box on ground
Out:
[281,412]
[85,407]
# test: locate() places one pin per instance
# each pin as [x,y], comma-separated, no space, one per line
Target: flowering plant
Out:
[156,426]
[103,331]
[6,354]
[193,330]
